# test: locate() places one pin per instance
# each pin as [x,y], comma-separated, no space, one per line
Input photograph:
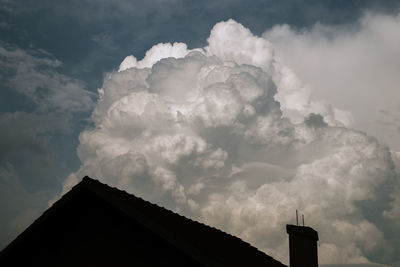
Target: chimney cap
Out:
[302,230]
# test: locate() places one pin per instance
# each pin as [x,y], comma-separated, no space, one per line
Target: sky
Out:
[233,113]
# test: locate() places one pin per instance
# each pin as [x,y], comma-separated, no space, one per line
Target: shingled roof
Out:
[207,245]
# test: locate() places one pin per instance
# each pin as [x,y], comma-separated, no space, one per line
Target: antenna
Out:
[297,218]
[303,218]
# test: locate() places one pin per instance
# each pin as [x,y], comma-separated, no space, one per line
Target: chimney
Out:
[302,246]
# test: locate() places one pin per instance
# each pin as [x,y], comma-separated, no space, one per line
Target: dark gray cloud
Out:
[36,77]
[18,206]
[41,105]
[315,121]
[41,117]
[28,132]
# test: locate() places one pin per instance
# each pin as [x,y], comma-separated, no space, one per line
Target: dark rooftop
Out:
[207,245]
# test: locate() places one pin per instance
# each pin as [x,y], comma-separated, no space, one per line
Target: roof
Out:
[208,245]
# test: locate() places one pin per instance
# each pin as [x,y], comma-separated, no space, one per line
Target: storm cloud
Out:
[228,135]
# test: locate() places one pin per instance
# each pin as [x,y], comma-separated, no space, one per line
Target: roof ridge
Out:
[204,243]
[87,178]
[90,181]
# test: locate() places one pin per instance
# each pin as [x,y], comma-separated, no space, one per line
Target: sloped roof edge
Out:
[171,229]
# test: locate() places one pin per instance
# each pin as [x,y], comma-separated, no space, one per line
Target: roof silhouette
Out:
[205,245]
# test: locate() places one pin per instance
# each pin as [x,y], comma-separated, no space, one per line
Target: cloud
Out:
[157,52]
[18,206]
[353,67]
[35,77]
[229,136]
[28,132]
[51,102]
[31,161]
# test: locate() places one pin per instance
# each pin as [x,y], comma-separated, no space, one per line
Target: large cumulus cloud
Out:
[228,136]
[353,67]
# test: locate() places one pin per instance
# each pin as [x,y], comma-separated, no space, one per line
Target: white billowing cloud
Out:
[297,101]
[354,68]
[228,136]
[233,42]
[156,53]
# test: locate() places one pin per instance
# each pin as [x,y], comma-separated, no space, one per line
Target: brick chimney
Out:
[302,246]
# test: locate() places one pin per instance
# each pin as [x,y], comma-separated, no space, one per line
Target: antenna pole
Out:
[303,218]
[297,218]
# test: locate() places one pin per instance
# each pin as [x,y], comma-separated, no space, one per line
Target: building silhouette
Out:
[97,225]
[302,246]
